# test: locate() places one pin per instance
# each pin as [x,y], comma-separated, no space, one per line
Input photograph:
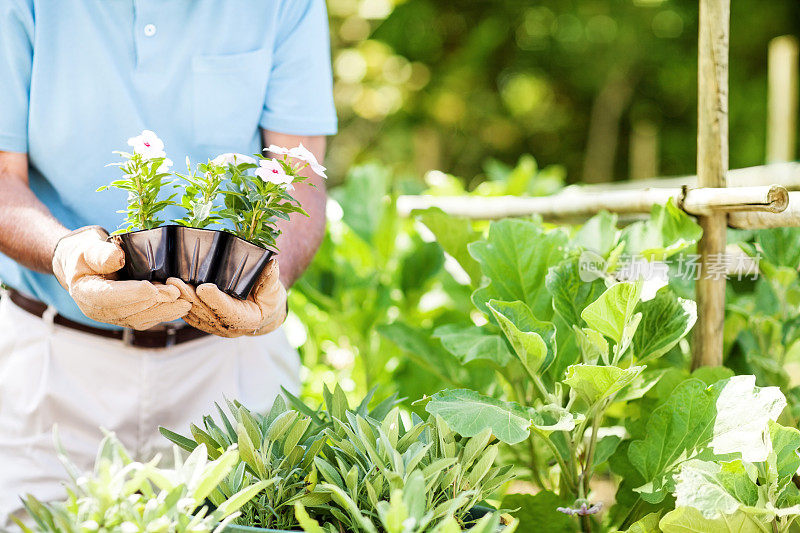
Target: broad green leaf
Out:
[743,412]
[690,520]
[469,343]
[613,310]
[785,442]
[420,265]
[668,231]
[605,448]
[570,293]
[647,524]
[729,417]
[362,199]
[468,413]
[515,258]
[595,383]
[537,512]
[533,341]
[677,430]
[593,345]
[599,233]
[666,319]
[779,246]
[714,488]
[454,234]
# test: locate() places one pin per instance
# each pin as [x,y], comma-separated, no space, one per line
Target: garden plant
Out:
[241,195]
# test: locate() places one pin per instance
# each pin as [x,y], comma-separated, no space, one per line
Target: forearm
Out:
[28,232]
[301,236]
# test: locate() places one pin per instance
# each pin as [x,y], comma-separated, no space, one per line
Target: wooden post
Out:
[782,99]
[712,166]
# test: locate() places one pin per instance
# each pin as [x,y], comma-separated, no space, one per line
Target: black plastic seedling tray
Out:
[194,255]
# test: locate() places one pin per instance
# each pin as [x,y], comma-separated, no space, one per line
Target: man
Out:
[77,79]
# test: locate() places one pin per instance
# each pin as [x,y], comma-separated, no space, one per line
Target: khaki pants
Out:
[54,375]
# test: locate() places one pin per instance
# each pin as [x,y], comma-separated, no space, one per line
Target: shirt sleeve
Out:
[299,97]
[16,59]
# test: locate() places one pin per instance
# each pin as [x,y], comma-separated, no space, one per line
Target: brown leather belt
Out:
[162,337]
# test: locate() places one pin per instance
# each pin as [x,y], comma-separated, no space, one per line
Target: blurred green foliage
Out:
[423,85]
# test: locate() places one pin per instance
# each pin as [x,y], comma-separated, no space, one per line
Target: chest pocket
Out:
[228,97]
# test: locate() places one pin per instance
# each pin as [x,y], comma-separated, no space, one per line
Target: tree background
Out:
[426,84]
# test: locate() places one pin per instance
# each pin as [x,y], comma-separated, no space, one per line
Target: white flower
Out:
[272,171]
[304,154]
[165,164]
[232,159]
[277,150]
[148,145]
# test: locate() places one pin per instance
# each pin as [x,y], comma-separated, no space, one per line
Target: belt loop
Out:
[171,331]
[127,337]
[48,317]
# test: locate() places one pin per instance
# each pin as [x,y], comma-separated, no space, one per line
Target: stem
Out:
[567,474]
[586,524]
[588,467]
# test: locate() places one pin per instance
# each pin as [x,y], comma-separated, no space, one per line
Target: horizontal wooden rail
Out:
[573,205]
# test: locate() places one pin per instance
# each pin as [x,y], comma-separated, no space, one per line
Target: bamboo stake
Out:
[790,217]
[782,102]
[712,166]
[575,205]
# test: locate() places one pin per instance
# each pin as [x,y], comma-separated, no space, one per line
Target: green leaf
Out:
[605,448]
[469,343]
[420,265]
[570,293]
[515,258]
[715,489]
[538,512]
[593,345]
[599,233]
[668,231]
[690,520]
[595,383]
[677,430]
[454,234]
[362,199]
[468,413]
[647,524]
[743,412]
[666,319]
[729,417]
[308,524]
[779,246]
[533,341]
[785,442]
[613,310]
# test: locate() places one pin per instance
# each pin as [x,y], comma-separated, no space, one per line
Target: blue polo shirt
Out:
[80,77]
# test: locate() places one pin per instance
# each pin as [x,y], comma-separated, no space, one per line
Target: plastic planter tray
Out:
[476,513]
[194,255]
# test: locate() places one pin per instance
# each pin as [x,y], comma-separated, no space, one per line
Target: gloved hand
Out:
[216,313]
[84,263]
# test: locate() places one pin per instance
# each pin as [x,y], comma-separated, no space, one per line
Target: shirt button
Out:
[150,30]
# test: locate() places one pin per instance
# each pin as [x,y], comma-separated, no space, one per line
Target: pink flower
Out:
[277,150]
[148,145]
[304,154]
[223,160]
[272,171]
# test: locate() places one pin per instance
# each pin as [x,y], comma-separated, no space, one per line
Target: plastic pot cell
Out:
[240,265]
[196,254]
[147,253]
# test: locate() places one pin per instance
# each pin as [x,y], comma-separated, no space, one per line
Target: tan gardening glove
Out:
[84,263]
[215,312]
